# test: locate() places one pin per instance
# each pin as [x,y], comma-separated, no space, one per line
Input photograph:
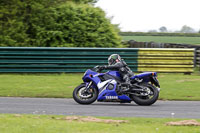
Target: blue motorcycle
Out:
[108,86]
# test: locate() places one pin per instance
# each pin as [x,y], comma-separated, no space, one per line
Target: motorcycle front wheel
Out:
[150,99]
[82,97]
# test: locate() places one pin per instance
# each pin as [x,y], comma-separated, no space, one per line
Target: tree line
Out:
[184,29]
[159,34]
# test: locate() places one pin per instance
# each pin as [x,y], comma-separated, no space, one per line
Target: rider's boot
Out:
[125,86]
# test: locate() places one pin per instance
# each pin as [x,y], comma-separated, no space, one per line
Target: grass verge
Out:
[11,123]
[39,85]
[173,86]
[179,86]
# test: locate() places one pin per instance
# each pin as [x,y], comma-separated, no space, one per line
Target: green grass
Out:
[179,86]
[173,86]
[39,85]
[164,39]
[54,124]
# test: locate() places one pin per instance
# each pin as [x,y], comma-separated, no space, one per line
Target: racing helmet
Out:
[113,59]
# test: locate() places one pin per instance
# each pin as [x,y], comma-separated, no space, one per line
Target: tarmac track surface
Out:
[58,106]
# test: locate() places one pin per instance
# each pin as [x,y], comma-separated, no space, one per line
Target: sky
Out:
[145,15]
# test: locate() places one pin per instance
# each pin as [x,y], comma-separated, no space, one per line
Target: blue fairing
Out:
[91,76]
[89,71]
[104,92]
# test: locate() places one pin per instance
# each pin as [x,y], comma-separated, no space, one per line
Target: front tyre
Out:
[83,97]
[150,99]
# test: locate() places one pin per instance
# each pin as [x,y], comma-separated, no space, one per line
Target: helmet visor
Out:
[111,61]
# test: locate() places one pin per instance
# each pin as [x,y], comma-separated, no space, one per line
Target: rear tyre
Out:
[82,97]
[149,99]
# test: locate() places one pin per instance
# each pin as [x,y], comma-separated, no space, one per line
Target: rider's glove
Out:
[102,67]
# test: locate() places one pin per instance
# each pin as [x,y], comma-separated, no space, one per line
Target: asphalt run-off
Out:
[58,106]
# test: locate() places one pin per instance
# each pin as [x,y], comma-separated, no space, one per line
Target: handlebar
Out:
[96,69]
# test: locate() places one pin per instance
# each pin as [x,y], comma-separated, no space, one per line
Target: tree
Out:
[55,23]
[163,29]
[187,29]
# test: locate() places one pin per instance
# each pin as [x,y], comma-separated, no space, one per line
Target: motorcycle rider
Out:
[117,64]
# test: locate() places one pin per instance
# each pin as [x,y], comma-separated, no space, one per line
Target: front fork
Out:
[87,88]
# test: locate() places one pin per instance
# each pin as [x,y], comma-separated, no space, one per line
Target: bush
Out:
[50,24]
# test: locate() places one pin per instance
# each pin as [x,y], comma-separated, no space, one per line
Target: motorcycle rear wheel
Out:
[82,97]
[147,100]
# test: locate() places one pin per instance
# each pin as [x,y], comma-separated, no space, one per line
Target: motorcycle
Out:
[108,87]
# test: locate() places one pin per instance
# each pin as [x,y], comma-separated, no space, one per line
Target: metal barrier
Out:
[166,60]
[135,44]
[53,59]
[26,59]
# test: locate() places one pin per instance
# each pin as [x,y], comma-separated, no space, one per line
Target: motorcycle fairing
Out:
[107,94]
[91,76]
